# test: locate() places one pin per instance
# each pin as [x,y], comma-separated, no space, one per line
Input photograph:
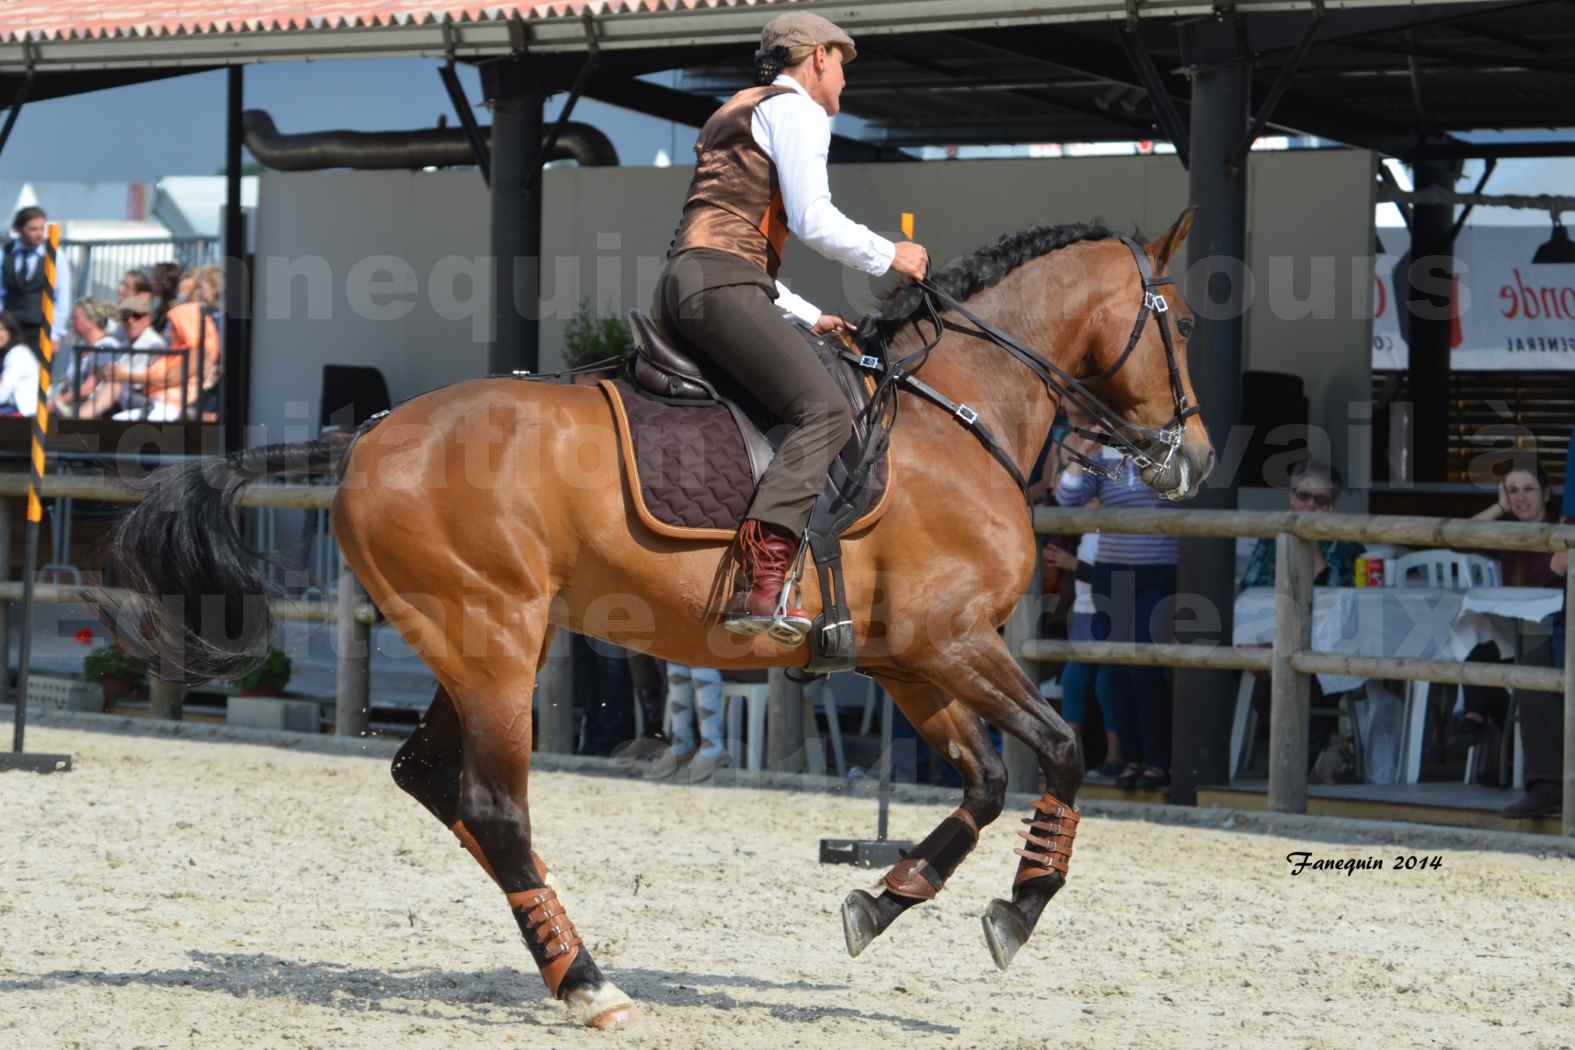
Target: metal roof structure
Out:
[1383,74]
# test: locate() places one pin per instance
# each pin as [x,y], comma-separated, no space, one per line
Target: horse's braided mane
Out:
[985,267]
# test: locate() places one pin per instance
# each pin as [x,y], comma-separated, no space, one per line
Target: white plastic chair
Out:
[751,699]
[1441,568]
[752,696]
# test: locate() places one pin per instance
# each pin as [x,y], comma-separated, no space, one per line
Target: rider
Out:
[760,172]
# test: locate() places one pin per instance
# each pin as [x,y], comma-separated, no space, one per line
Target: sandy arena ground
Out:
[217,895]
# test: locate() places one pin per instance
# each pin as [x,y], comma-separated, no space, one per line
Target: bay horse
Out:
[484,516]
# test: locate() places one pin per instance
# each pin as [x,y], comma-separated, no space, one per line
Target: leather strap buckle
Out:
[967,415]
[1156,302]
[871,363]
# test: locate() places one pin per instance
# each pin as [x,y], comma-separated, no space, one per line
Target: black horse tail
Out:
[191,598]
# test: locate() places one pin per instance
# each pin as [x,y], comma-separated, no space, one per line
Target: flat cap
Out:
[140,303]
[805,29]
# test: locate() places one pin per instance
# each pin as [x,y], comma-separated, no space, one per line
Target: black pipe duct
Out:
[400,150]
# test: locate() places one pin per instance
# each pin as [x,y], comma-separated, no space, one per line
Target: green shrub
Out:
[272,673]
[111,661]
[589,338]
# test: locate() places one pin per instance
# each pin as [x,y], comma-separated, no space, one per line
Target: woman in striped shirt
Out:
[1133,578]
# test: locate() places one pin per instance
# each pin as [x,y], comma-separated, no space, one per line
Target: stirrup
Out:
[789,630]
[746,625]
[785,629]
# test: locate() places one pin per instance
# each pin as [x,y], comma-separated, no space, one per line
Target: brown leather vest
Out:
[734,203]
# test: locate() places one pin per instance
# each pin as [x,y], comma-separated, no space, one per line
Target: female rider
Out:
[760,172]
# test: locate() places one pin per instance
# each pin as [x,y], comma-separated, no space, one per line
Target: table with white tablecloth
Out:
[1421,623]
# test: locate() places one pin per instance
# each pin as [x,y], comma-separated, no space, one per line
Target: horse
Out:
[485,516]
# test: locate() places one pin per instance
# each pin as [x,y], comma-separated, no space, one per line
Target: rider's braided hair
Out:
[771,61]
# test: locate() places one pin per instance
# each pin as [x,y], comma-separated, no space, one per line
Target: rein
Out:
[1132,441]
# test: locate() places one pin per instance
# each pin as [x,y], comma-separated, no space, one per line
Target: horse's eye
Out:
[1184,326]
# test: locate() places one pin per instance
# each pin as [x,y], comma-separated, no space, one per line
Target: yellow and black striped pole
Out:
[35,505]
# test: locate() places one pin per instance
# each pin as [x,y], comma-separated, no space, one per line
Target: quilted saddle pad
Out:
[689,474]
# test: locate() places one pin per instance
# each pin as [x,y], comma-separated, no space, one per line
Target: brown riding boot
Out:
[766,553]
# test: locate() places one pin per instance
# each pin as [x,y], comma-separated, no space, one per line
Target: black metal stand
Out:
[37,762]
[879,852]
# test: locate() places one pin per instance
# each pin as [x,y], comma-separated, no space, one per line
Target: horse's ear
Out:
[1170,242]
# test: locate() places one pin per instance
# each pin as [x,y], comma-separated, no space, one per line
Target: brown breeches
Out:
[738,328]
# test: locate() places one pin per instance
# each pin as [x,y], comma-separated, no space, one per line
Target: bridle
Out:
[1134,442]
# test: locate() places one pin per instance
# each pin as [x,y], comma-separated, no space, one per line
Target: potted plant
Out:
[588,339]
[116,672]
[268,678]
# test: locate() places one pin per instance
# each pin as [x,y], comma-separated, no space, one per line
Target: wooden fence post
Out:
[1290,690]
[555,697]
[165,698]
[1567,822]
[352,685]
[1022,765]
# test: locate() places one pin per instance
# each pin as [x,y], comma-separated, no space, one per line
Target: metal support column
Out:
[1216,274]
[517,97]
[237,284]
[1428,295]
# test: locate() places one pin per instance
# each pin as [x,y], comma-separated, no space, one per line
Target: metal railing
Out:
[98,266]
[89,372]
[1291,661]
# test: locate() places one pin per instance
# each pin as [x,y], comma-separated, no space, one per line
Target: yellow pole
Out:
[907,225]
[35,483]
[46,353]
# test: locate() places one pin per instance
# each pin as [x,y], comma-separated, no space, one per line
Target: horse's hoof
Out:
[860,921]
[617,1017]
[604,1006]
[1005,931]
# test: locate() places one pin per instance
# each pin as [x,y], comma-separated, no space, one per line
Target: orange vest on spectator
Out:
[190,328]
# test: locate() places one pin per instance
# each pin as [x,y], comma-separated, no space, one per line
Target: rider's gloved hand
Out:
[831,323]
[911,260]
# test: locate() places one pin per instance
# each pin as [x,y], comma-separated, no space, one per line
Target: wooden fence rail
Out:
[351,612]
[1291,661]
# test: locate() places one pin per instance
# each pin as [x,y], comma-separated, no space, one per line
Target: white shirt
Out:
[1083,590]
[19,379]
[28,260]
[795,133]
[150,339]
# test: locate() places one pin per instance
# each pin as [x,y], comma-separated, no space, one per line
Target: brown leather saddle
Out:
[696,446]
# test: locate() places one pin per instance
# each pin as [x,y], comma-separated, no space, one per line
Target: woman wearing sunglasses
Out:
[1315,486]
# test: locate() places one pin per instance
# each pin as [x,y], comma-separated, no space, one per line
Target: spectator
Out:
[1523,495]
[693,694]
[1081,683]
[164,279]
[1542,714]
[1133,576]
[176,384]
[18,370]
[132,282]
[1315,486]
[117,380]
[22,278]
[74,367]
